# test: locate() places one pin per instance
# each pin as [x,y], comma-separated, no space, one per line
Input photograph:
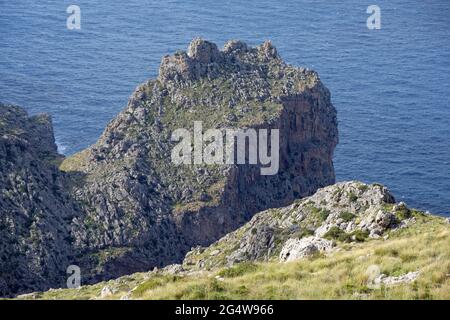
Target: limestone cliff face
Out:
[137,199]
[307,139]
[35,206]
[132,209]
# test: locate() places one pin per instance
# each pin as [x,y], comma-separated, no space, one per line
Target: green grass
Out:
[320,214]
[75,162]
[335,233]
[238,270]
[403,213]
[360,236]
[152,284]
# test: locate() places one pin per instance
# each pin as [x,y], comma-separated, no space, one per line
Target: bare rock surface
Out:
[295,249]
[393,280]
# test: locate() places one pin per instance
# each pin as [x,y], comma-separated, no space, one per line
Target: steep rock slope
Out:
[35,206]
[151,211]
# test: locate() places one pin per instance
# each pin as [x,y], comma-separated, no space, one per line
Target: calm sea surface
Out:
[391,87]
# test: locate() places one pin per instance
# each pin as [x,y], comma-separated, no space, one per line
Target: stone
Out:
[126,296]
[295,249]
[203,51]
[214,252]
[253,245]
[269,50]
[107,291]
[406,223]
[235,46]
[219,278]
[384,219]
[392,281]
[400,206]
[28,296]
[173,269]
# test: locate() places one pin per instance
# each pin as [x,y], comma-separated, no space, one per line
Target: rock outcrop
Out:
[382,279]
[136,198]
[342,213]
[295,249]
[36,209]
[122,206]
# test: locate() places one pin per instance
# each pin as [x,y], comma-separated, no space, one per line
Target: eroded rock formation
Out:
[36,209]
[131,208]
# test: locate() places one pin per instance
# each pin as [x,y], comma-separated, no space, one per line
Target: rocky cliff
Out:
[341,213]
[122,206]
[36,209]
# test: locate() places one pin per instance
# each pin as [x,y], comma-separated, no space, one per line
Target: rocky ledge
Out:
[342,213]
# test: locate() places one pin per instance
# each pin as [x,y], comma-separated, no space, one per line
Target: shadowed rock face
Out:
[138,210]
[35,207]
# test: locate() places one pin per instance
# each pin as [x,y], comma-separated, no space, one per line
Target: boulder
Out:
[392,281]
[295,249]
[203,51]
[107,291]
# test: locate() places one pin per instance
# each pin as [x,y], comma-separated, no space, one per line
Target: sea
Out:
[391,86]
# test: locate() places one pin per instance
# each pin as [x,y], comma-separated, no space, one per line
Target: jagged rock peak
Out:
[203,51]
[32,132]
[234,46]
[204,58]
[123,197]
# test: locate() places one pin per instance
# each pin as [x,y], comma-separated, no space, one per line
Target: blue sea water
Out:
[391,86]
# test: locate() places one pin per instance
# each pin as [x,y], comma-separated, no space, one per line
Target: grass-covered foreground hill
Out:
[354,243]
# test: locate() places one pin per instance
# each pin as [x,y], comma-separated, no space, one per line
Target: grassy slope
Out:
[423,247]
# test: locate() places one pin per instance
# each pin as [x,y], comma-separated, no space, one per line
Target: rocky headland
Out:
[121,205]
